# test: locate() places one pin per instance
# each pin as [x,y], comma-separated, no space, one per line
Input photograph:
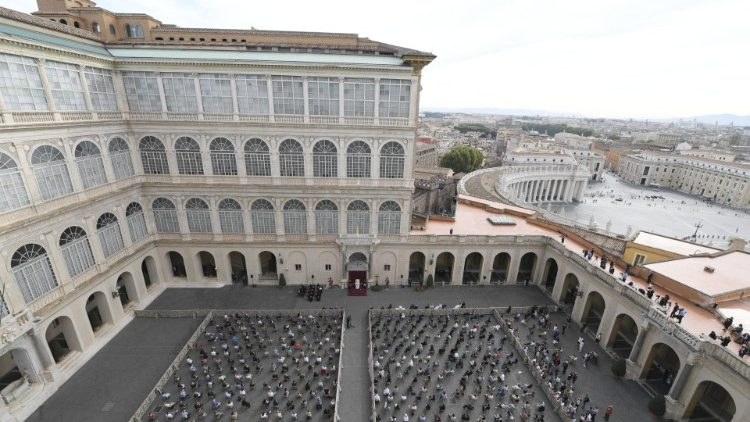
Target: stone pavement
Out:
[111,385]
[121,375]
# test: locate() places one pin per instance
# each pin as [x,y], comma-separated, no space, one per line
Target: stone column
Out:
[42,350]
[235,104]
[341,101]
[376,111]
[86,93]
[120,96]
[373,217]
[633,367]
[72,165]
[678,385]
[198,96]
[182,218]
[109,171]
[51,106]
[306,100]
[273,145]
[269,87]
[162,96]
[56,259]
[100,260]
[24,165]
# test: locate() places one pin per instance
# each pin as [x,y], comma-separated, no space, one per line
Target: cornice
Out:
[28,44]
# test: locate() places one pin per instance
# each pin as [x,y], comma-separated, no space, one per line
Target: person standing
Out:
[608,413]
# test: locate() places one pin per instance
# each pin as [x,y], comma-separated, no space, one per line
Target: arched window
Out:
[76,250]
[325,160]
[90,164]
[222,157]
[291,160]
[358,159]
[95,27]
[76,24]
[33,272]
[110,237]
[326,217]
[12,190]
[295,217]
[257,158]
[263,217]
[230,216]
[119,154]
[153,156]
[165,215]
[112,30]
[51,172]
[136,222]
[358,218]
[63,21]
[198,216]
[392,161]
[189,160]
[389,218]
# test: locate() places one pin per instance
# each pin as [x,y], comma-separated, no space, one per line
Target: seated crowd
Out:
[257,367]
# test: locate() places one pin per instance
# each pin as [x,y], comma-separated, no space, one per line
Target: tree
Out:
[430,281]
[657,405]
[462,159]
[618,368]
[282,280]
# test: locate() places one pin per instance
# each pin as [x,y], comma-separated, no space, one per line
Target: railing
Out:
[32,117]
[68,116]
[51,296]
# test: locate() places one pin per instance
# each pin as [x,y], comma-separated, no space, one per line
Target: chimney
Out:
[737,244]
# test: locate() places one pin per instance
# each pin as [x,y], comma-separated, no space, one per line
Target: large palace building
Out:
[137,156]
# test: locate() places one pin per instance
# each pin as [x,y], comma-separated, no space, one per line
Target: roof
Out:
[729,275]
[670,244]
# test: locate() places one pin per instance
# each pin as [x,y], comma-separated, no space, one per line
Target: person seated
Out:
[712,335]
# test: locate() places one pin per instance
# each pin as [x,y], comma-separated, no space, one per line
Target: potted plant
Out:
[618,368]
[657,405]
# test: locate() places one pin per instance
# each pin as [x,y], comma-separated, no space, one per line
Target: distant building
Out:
[649,248]
[426,152]
[722,182]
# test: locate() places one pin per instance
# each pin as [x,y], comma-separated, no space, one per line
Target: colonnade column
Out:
[635,352]
[683,375]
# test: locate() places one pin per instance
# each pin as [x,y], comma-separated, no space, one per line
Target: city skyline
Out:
[673,59]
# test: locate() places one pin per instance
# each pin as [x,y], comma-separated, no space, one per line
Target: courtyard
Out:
[624,208]
[115,381]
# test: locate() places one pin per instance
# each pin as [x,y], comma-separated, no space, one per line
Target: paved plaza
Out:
[672,213]
[129,366]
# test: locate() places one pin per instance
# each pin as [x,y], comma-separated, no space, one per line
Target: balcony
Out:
[24,118]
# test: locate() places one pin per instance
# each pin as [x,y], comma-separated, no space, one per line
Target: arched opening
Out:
[12,190]
[178,265]
[500,266]
[550,274]
[392,161]
[257,158]
[357,269]
[325,159]
[295,217]
[208,264]
[263,217]
[291,159]
[660,368]
[569,291]
[61,338]
[198,216]
[97,310]
[188,154]
[526,269]
[148,269]
[268,270]
[444,268]
[223,161]
[710,402]
[472,268]
[230,217]
[326,217]
[239,268]
[153,156]
[76,250]
[165,216]
[33,272]
[14,365]
[51,172]
[416,267]
[593,311]
[90,164]
[119,155]
[126,290]
[624,333]
[136,222]
[358,159]
[358,218]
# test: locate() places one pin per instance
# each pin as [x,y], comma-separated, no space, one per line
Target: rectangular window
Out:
[179,92]
[142,91]
[65,85]
[327,267]
[386,267]
[297,267]
[359,97]
[639,260]
[323,96]
[394,97]
[216,93]
[21,84]
[101,89]
[288,95]
[252,94]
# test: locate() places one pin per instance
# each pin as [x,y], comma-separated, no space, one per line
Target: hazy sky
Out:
[613,58]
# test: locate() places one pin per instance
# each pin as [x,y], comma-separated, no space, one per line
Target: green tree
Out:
[462,159]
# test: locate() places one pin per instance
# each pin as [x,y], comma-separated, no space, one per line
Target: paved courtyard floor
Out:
[675,215]
[125,370]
